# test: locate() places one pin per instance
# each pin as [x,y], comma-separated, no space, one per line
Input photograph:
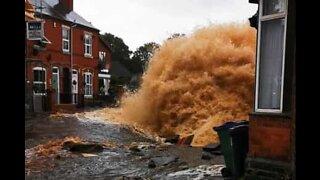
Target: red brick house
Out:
[62,68]
[104,66]
[272,123]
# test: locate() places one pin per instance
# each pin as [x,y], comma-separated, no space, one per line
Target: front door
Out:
[39,89]
[66,95]
[55,85]
[74,86]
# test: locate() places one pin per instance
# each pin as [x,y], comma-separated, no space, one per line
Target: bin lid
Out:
[243,122]
[238,129]
[226,125]
[230,124]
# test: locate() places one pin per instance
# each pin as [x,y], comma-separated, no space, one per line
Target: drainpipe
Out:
[26,84]
[71,58]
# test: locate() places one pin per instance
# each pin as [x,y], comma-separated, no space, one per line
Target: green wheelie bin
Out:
[233,138]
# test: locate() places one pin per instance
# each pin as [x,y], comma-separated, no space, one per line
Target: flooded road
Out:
[129,155]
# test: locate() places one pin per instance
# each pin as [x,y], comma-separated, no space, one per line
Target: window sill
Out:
[66,52]
[88,56]
[88,96]
[39,94]
[281,114]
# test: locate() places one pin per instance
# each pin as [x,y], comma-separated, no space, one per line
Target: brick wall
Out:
[270,137]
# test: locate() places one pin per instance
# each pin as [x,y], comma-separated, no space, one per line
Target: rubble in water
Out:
[53,147]
[36,157]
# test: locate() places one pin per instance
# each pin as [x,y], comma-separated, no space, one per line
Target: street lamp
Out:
[71,61]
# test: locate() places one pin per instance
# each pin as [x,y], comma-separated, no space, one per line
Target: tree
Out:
[143,54]
[120,51]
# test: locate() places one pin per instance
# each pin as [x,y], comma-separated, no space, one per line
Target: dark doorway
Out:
[66,84]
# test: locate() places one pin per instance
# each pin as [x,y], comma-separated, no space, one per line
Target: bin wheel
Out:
[226,172]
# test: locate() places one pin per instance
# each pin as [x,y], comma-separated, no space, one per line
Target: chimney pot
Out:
[68,4]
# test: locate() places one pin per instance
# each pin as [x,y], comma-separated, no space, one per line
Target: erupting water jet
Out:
[196,82]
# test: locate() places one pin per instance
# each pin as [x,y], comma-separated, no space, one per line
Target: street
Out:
[127,154]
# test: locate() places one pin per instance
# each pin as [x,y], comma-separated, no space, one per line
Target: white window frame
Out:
[261,19]
[102,56]
[89,45]
[40,82]
[87,84]
[66,40]
[58,81]
[76,78]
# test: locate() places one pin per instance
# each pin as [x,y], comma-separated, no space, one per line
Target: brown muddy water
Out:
[194,83]
[114,162]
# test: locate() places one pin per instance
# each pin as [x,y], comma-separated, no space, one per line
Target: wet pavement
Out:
[128,158]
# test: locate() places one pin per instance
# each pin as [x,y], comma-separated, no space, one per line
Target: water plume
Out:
[196,82]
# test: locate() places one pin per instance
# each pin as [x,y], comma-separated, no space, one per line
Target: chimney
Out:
[68,4]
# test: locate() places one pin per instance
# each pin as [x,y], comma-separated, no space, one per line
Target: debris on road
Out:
[186,140]
[172,139]
[161,161]
[52,148]
[88,155]
[82,147]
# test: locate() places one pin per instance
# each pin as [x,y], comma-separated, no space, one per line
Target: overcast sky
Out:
[140,21]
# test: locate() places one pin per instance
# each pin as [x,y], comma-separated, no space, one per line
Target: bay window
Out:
[270,56]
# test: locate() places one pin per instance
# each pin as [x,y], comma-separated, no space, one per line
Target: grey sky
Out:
[141,21]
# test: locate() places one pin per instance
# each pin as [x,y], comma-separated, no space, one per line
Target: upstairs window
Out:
[102,56]
[65,39]
[88,45]
[270,56]
[101,63]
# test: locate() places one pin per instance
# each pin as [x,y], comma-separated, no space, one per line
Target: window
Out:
[270,65]
[102,56]
[88,45]
[39,81]
[88,84]
[65,39]
[102,62]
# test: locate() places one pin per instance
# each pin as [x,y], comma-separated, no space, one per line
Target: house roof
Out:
[29,16]
[29,11]
[117,69]
[28,6]
[57,10]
